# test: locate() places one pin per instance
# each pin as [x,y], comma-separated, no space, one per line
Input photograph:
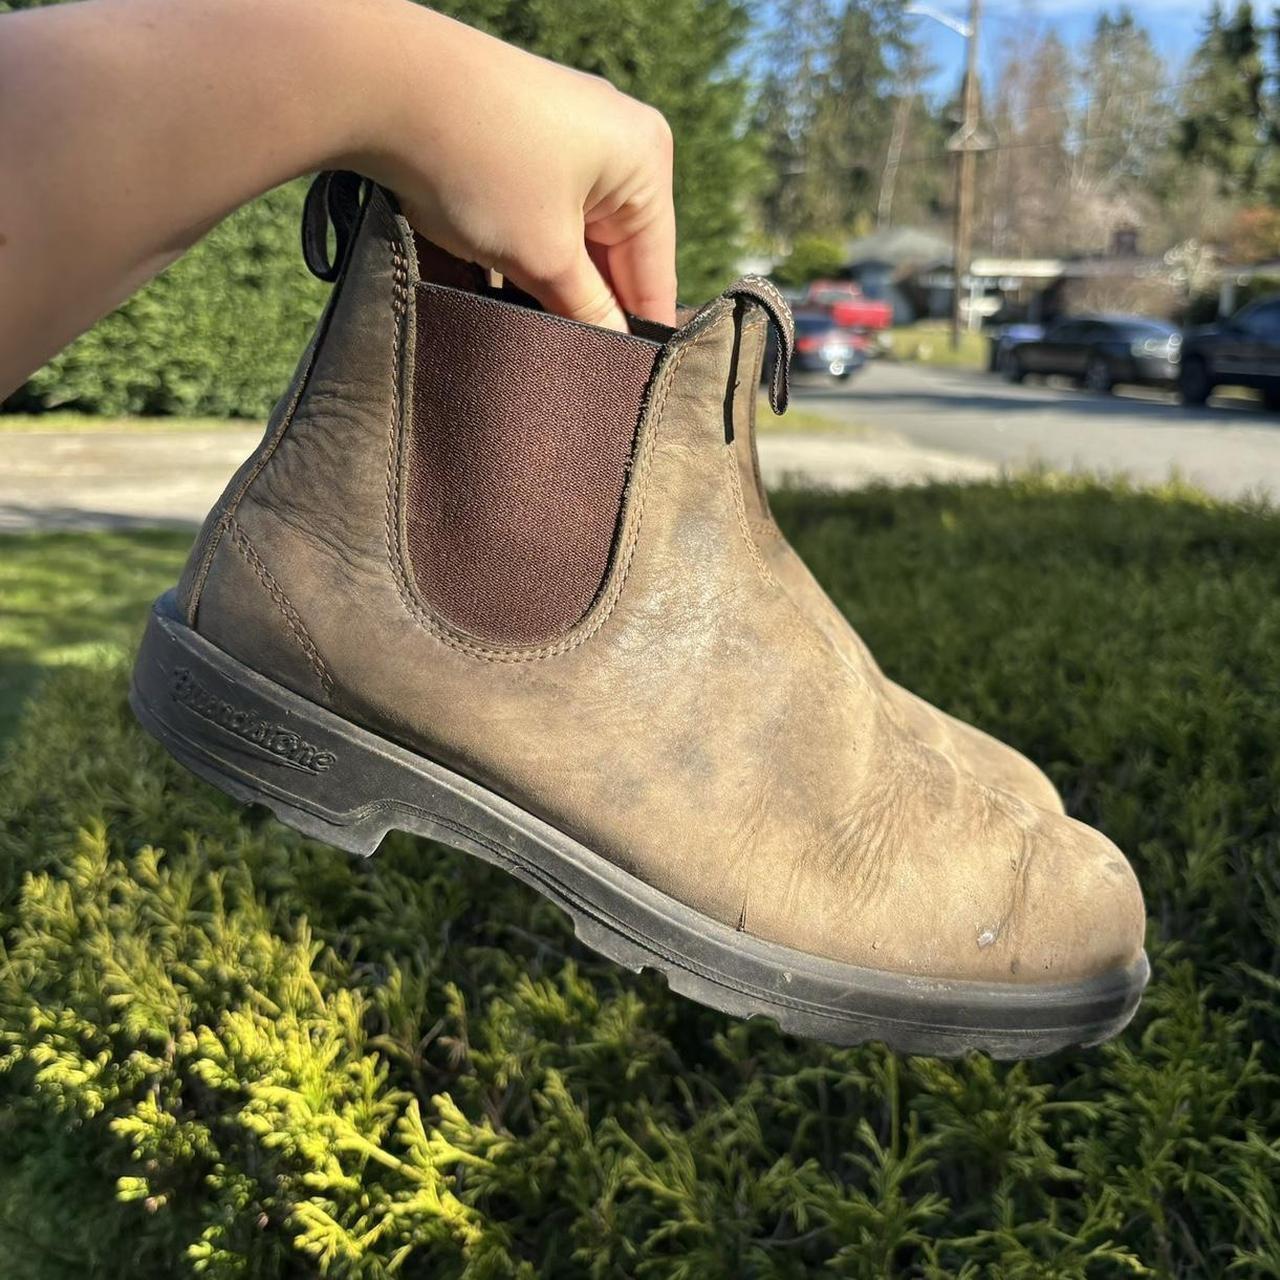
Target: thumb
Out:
[577,292]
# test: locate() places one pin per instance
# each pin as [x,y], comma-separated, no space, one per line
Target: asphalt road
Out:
[1230,448]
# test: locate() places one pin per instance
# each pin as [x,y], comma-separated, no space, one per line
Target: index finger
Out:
[642,267]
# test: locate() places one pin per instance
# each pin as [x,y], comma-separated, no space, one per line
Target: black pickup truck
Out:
[1243,351]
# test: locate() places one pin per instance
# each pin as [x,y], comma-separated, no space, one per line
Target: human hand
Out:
[548,175]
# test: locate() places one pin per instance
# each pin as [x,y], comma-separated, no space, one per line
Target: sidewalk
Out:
[116,479]
[831,462]
[127,479]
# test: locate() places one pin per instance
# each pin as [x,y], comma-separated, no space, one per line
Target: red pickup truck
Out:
[847,306]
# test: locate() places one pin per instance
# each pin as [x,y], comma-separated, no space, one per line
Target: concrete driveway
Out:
[116,479]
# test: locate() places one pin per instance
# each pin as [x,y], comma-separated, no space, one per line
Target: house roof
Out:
[1102,266]
[1018,268]
[899,246]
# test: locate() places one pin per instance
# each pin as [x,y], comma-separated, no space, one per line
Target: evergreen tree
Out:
[915,186]
[1223,125]
[855,115]
[1269,161]
[1125,118]
[925,184]
[825,112]
[786,106]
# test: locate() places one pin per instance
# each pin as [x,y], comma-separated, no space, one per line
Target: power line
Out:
[1262,144]
[1085,99]
[1086,139]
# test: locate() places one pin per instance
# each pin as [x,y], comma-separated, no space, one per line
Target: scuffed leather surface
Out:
[208,540]
[697,727]
[985,757]
[328,477]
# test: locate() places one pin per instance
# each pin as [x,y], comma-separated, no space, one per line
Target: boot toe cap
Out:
[1078,910]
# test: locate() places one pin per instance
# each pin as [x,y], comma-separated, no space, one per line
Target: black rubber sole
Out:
[339,783]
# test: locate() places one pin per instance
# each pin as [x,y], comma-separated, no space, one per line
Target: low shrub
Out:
[811,258]
[228,1051]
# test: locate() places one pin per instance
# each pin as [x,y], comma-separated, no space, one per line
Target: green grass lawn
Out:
[228,1051]
[930,343]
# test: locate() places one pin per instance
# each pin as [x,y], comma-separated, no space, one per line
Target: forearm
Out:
[129,127]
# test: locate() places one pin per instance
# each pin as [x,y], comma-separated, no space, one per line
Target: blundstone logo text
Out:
[286,746]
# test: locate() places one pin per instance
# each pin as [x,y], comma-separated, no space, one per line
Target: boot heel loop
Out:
[335,198]
[765,295]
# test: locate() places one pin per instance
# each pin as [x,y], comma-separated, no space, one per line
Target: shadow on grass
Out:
[68,598]
[19,517]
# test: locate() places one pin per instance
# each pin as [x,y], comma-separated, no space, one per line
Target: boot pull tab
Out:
[765,294]
[335,197]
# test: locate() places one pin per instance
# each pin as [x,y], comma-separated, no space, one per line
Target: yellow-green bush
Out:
[228,1051]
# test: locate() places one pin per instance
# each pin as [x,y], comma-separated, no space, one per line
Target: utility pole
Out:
[966,143]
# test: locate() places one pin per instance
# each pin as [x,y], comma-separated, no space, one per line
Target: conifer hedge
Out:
[230,1052]
[217,335]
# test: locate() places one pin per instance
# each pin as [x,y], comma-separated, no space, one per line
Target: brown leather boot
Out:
[986,758]
[491,577]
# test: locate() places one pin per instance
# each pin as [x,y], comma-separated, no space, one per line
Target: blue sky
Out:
[1174,26]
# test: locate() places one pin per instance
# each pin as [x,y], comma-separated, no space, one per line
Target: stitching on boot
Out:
[240,540]
[603,606]
[770,290]
[744,526]
[266,450]
[740,503]
[271,442]
[206,562]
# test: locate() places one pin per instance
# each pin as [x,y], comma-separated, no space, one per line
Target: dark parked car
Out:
[1003,339]
[1100,351]
[822,346]
[1241,352]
